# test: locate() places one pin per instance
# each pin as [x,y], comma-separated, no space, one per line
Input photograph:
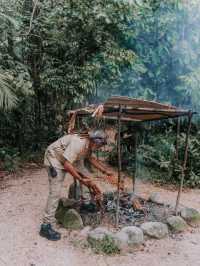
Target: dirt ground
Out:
[22,201]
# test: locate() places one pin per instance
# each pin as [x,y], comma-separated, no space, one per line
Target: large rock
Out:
[191,216]
[70,219]
[85,231]
[129,236]
[155,229]
[68,203]
[155,197]
[176,224]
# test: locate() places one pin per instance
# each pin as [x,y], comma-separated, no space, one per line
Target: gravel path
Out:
[22,201]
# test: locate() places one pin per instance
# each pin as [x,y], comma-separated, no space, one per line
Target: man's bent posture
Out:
[64,156]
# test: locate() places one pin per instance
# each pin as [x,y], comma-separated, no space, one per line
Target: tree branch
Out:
[32,16]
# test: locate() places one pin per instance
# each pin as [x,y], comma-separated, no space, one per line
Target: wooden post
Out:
[177,136]
[75,181]
[119,165]
[135,163]
[184,162]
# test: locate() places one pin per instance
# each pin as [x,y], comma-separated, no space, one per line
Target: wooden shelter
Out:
[122,108]
[134,110]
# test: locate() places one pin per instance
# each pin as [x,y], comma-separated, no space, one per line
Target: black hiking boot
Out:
[47,231]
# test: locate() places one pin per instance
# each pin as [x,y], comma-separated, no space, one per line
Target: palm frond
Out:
[6,18]
[8,98]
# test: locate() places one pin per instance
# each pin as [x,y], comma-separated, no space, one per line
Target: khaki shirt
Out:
[71,147]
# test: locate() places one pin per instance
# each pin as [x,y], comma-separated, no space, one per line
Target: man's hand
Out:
[99,165]
[113,180]
[93,188]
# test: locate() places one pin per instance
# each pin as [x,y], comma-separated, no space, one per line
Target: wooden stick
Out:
[135,163]
[177,136]
[119,165]
[184,162]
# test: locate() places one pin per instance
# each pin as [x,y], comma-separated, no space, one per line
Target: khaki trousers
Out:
[55,185]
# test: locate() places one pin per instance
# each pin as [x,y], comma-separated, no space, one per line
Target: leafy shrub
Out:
[156,156]
[107,245]
[159,158]
[10,159]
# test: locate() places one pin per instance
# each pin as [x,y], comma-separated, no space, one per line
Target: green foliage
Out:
[8,98]
[157,157]
[82,43]
[193,167]
[9,159]
[58,55]
[107,246]
[167,54]
[53,60]
[156,153]
[190,87]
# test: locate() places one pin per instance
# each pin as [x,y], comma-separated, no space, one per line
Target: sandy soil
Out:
[22,201]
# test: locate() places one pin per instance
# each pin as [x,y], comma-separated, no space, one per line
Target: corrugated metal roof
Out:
[140,110]
[134,109]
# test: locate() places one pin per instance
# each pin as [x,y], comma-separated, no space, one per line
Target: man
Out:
[64,155]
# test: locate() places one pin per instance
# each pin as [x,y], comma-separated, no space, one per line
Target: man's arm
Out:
[110,177]
[82,178]
[72,170]
[97,164]
[69,168]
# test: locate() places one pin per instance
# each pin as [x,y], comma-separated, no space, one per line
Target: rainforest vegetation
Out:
[57,55]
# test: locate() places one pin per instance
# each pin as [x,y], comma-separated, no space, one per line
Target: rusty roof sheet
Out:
[134,109]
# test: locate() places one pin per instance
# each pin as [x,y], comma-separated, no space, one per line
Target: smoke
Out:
[187,53]
[166,41]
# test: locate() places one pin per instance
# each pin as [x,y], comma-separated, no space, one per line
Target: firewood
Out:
[136,203]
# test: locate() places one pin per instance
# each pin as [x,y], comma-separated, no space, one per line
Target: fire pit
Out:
[139,220]
[132,211]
